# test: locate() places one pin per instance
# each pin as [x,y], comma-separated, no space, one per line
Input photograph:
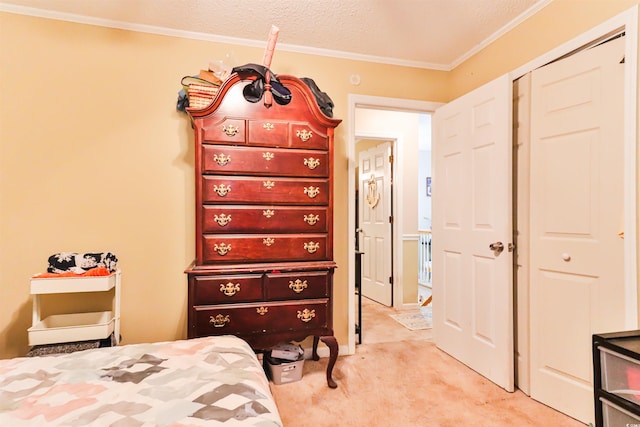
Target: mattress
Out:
[212,381]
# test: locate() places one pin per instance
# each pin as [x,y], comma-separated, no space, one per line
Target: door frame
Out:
[377,103]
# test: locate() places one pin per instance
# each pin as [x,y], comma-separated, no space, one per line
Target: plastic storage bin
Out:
[620,375]
[282,372]
[616,378]
[615,416]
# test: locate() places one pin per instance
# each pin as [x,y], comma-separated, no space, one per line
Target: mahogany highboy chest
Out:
[264,220]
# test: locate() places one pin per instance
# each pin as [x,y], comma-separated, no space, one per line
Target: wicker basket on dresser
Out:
[264,220]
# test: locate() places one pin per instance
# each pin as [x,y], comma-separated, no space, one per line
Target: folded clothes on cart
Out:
[82,263]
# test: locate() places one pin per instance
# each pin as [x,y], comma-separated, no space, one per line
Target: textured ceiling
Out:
[424,33]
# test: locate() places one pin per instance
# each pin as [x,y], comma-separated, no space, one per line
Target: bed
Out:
[212,381]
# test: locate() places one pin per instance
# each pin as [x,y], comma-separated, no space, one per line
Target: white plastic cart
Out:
[62,328]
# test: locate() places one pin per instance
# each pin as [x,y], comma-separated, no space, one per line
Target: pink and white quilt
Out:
[213,381]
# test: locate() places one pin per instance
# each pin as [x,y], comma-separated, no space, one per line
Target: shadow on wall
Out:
[17,327]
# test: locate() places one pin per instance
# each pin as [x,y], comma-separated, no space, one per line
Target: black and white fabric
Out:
[79,263]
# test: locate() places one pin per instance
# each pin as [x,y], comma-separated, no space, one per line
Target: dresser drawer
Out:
[264,248]
[270,133]
[303,136]
[261,318]
[222,159]
[291,191]
[226,289]
[252,219]
[226,131]
[299,285]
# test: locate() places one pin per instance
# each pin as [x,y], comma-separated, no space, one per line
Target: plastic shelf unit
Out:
[616,364]
[61,328]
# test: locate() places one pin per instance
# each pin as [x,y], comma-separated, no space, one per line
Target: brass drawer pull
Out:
[262,310]
[268,126]
[229,289]
[219,321]
[222,190]
[297,286]
[268,156]
[304,135]
[221,159]
[269,184]
[222,220]
[268,241]
[311,163]
[222,248]
[306,315]
[231,130]
[311,247]
[310,219]
[268,213]
[311,191]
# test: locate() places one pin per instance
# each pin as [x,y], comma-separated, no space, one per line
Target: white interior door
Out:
[577,282]
[472,193]
[375,212]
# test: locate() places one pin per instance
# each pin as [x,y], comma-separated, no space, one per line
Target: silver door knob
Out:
[497,247]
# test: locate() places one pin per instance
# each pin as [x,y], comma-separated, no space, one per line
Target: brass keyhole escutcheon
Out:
[268,156]
[268,241]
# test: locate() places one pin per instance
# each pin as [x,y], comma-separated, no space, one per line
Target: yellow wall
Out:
[94,157]
[410,271]
[557,23]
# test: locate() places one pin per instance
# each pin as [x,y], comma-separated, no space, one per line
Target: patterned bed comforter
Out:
[214,381]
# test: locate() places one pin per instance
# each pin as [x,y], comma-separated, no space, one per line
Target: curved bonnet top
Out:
[230,101]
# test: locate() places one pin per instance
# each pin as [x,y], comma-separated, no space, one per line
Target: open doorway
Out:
[407,131]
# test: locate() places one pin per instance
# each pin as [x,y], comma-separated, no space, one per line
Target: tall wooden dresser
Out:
[264,220]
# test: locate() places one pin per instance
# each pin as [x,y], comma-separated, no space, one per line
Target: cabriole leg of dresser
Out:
[332,343]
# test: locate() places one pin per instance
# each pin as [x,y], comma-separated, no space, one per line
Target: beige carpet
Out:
[378,326]
[406,383]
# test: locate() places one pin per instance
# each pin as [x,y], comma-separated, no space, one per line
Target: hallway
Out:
[379,327]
